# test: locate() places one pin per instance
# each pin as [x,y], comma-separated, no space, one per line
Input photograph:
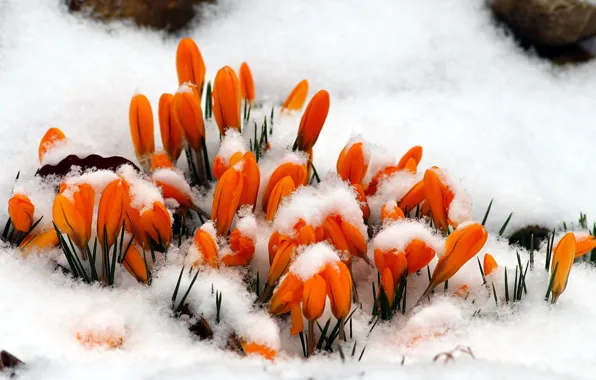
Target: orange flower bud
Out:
[258,349]
[21,211]
[353,163]
[226,199]
[243,248]
[362,200]
[247,85]
[141,127]
[390,211]
[135,263]
[189,115]
[49,140]
[226,100]
[339,283]
[32,242]
[110,214]
[160,160]
[171,131]
[439,197]
[374,183]
[157,223]
[251,175]
[295,171]
[460,246]
[490,265]
[207,247]
[284,188]
[388,285]
[313,297]
[189,64]
[584,244]
[281,261]
[312,121]
[418,255]
[297,97]
[392,265]
[220,166]
[562,260]
[73,216]
[413,197]
[415,154]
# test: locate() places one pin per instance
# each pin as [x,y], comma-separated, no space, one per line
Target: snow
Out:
[143,193]
[437,74]
[397,235]
[313,259]
[247,223]
[231,143]
[393,187]
[460,209]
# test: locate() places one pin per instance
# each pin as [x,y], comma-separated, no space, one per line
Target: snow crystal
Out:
[312,260]
[247,223]
[143,193]
[173,178]
[209,227]
[232,142]
[400,233]
[185,88]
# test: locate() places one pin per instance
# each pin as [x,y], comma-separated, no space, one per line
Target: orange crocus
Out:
[189,64]
[251,175]
[157,223]
[172,135]
[110,214]
[345,237]
[220,165]
[247,85]
[160,160]
[562,260]
[392,265]
[312,121]
[207,247]
[376,179]
[226,100]
[439,196]
[226,199]
[490,264]
[411,159]
[21,211]
[189,115]
[391,212]
[73,215]
[413,197]
[419,254]
[352,163]
[295,171]
[313,297]
[583,244]
[49,140]
[461,245]
[136,264]
[282,189]
[252,348]
[41,241]
[243,248]
[295,101]
[361,197]
[141,127]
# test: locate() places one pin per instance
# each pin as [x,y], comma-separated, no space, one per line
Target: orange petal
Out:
[284,188]
[563,261]
[21,211]
[226,100]
[134,262]
[312,121]
[189,115]
[172,135]
[313,297]
[297,97]
[258,349]
[287,293]
[413,197]
[141,127]
[584,245]
[377,178]
[170,191]
[32,242]
[243,248]
[189,64]
[160,160]
[433,190]
[226,199]
[461,245]
[418,255]
[273,245]
[391,212]
[247,85]
[335,233]
[52,136]
[110,214]
[157,224]
[353,163]
[297,322]
[281,261]
[388,285]
[489,264]
[339,288]
[252,180]
[306,235]
[415,154]
[295,171]
[69,220]
[361,197]
[208,247]
[356,241]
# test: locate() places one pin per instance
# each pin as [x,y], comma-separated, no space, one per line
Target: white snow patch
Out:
[399,235]
[312,260]
[232,142]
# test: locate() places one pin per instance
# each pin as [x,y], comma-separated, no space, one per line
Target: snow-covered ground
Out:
[400,73]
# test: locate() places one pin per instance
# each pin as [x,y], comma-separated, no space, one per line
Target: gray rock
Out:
[549,22]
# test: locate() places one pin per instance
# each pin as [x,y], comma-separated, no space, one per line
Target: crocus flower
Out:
[461,245]
[251,175]
[220,165]
[21,211]
[584,244]
[172,135]
[157,223]
[226,100]
[352,163]
[361,197]
[73,213]
[282,249]
[297,97]
[173,185]
[312,121]
[563,262]
[226,199]
[411,158]
[392,265]
[282,189]
[243,249]
[252,348]
[390,211]
[189,64]
[490,264]
[247,85]
[141,127]
[160,160]
[295,171]
[413,197]
[208,248]
[136,264]
[40,241]
[49,140]
[189,115]
[110,214]
[418,254]
[373,185]
[345,237]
